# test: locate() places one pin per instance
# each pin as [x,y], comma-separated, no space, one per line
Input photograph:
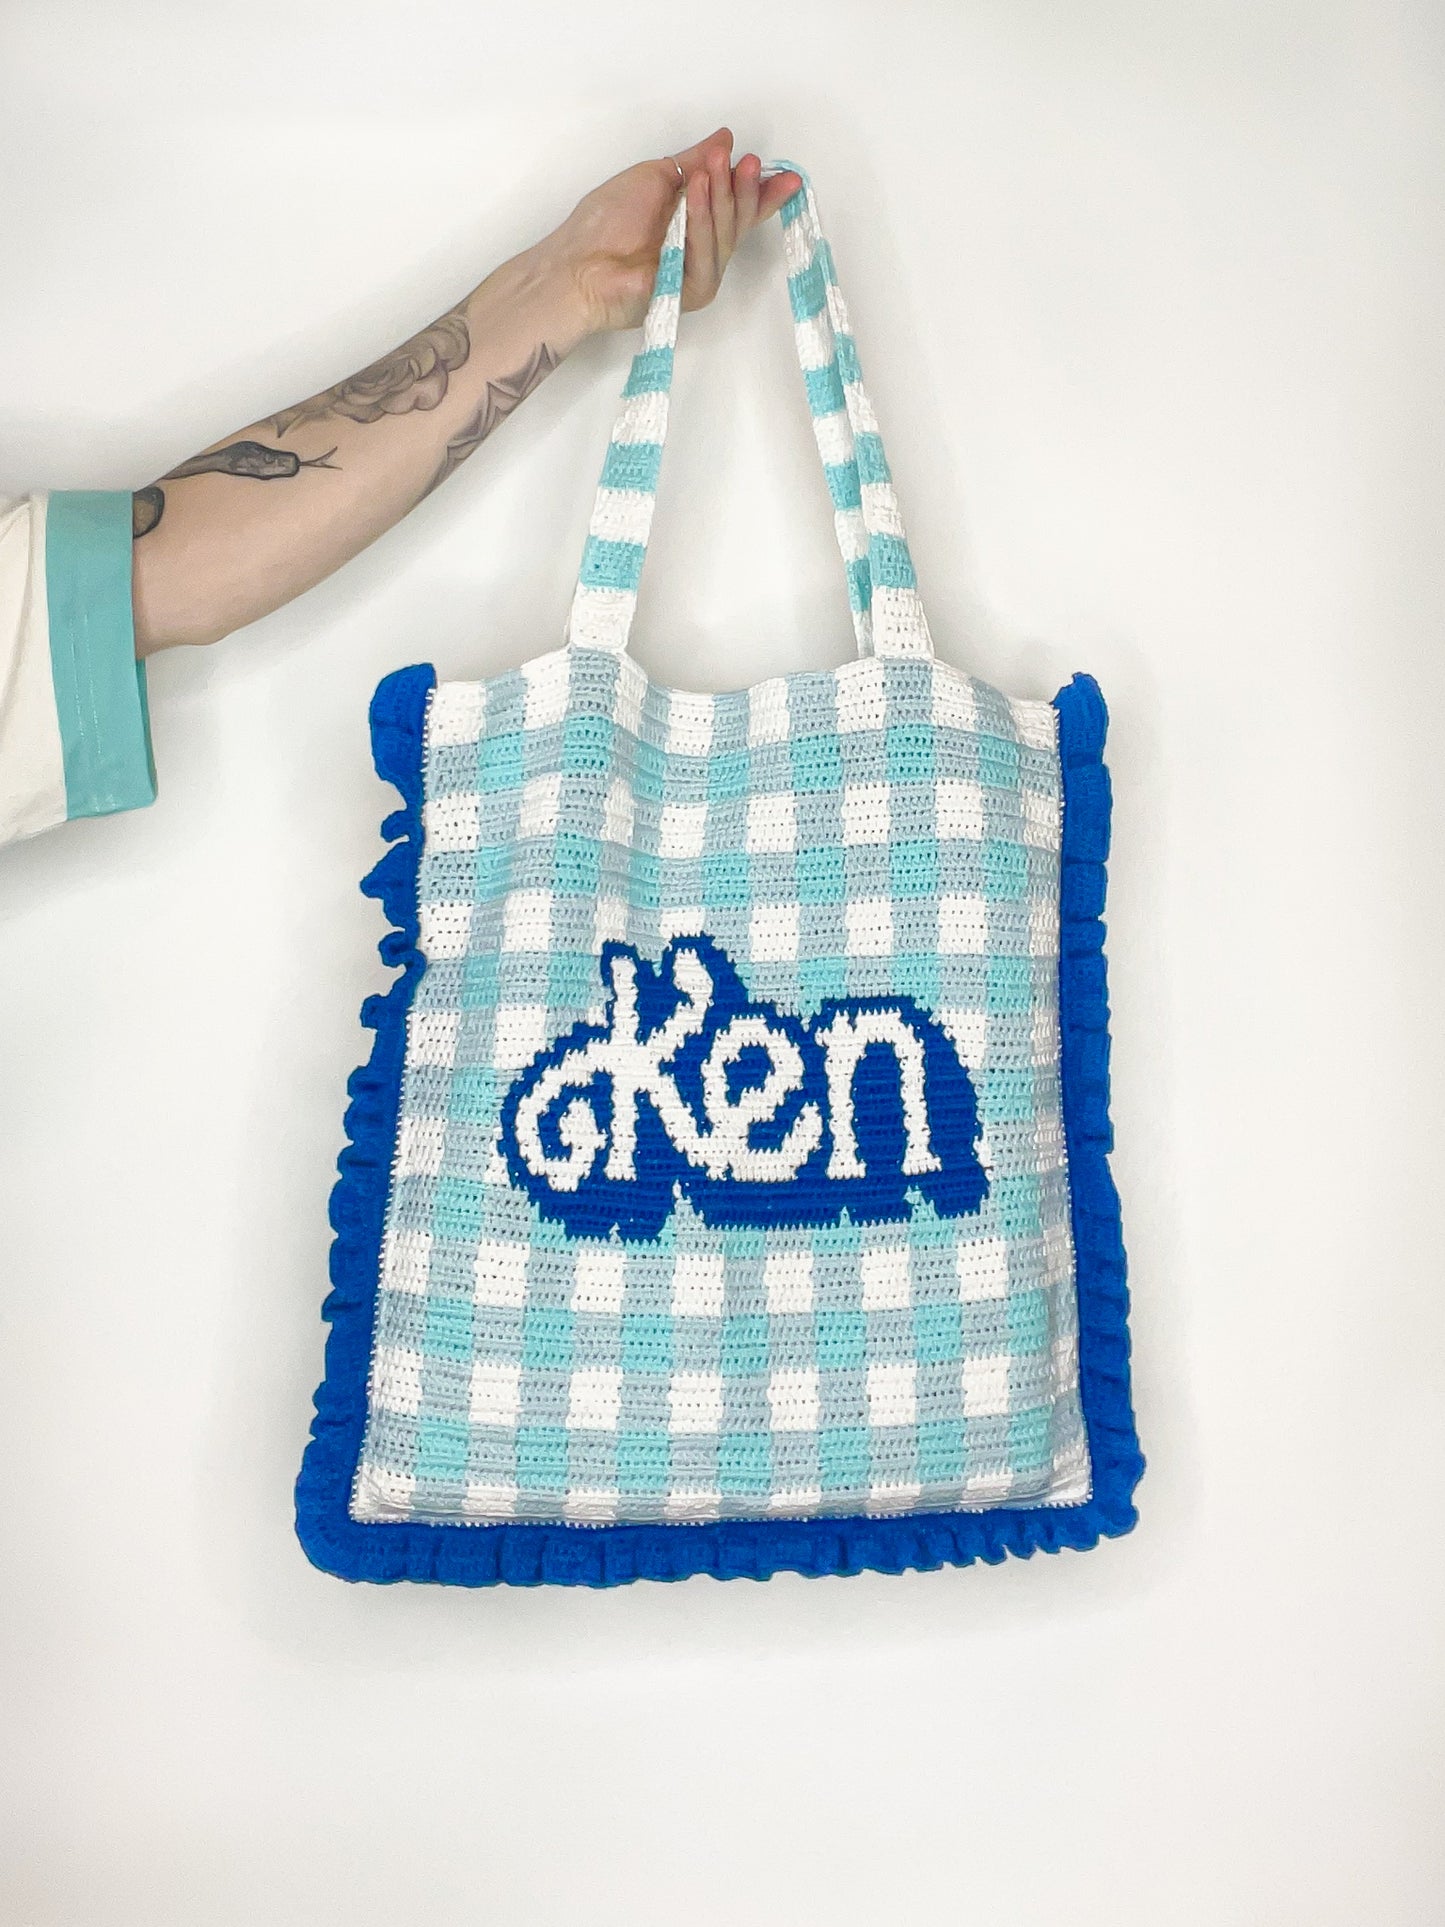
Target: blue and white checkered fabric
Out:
[876,846]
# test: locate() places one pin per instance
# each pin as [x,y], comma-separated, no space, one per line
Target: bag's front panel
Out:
[805,1252]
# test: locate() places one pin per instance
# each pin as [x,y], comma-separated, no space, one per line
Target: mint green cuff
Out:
[100,688]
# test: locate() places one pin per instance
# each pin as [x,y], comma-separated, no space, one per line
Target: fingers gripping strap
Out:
[888,617]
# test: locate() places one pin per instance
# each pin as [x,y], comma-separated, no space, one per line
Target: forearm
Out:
[264,514]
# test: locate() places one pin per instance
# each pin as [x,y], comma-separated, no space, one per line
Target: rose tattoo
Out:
[414,375]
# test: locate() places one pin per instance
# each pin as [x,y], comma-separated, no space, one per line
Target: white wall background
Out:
[1151,301]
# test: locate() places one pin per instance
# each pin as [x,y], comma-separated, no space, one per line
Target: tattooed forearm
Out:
[415,375]
[500,399]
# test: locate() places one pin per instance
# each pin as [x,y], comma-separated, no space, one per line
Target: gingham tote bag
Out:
[727,1190]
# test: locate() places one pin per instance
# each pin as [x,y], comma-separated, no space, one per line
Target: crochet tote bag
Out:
[727,1188]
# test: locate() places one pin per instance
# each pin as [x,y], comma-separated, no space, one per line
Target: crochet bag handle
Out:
[882,591]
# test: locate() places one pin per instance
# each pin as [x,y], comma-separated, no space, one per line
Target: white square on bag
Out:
[521,1031]
[985,1386]
[958,808]
[861,700]
[869,925]
[541,798]
[683,829]
[773,933]
[527,920]
[406,1264]
[697,1284]
[772,823]
[495,1392]
[618,813]
[866,813]
[594,1398]
[398,1379]
[683,920]
[768,712]
[444,929]
[689,723]
[499,1272]
[962,926]
[419,1146]
[887,1285]
[609,923]
[547,679]
[456,713]
[598,1280]
[892,1393]
[953,701]
[453,822]
[793,1400]
[982,1266]
[788,1280]
[432,1037]
[695,1401]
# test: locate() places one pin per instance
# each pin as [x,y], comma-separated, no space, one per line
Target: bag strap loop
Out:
[888,617]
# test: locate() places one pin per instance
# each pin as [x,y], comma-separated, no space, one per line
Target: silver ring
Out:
[681,177]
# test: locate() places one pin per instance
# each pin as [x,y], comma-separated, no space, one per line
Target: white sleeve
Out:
[74,726]
[32,766]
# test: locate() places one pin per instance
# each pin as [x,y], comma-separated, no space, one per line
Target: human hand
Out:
[608,246]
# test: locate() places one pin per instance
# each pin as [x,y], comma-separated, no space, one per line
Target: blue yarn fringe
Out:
[527,1555]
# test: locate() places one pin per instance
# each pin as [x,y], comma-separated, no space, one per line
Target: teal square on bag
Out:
[744,1345]
[821,874]
[744,1462]
[647,1342]
[644,881]
[576,866]
[1017,1199]
[643,1461]
[913,868]
[542,1457]
[448,1326]
[441,1449]
[940,1450]
[492,869]
[998,763]
[499,763]
[1005,869]
[457,1208]
[915,974]
[910,753]
[727,776]
[587,744]
[649,771]
[937,1333]
[547,1338]
[571,979]
[472,1093]
[1010,984]
[1028,1321]
[1028,1438]
[817,763]
[820,977]
[725,880]
[842,1339]
[1008,1095]
[843,1456]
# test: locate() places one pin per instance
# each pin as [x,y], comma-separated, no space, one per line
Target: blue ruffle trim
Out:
[522,1554]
